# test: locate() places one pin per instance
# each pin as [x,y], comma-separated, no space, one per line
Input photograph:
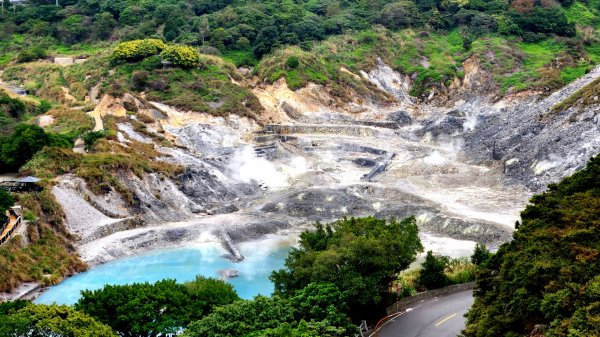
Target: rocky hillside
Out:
[152,143]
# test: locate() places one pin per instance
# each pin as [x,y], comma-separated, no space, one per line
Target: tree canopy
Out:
[50,321]
[317,310]
[259,26]
[547,278]
[144,309]
[432,274]
[360,256]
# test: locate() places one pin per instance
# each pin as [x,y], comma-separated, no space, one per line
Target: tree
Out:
[317,310]
[480,255]
[360,256]
[400,14]
[144,309]
[432,274]
[17,149]
[322,302]
[173,26]
[219,38]
[545,20]
[104,23]
[267,38]
[547,276]
[207,293]
[139,309]
[243,317]
[6,202]
[72,29]
[52,321]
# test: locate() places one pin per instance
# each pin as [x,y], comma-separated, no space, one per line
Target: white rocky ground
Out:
[244,181]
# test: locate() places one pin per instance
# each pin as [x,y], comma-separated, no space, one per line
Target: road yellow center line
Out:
[445,319]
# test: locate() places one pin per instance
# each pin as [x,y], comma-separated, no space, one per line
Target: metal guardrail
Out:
[363,329]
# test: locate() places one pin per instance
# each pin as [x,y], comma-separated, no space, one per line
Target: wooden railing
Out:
[9,227]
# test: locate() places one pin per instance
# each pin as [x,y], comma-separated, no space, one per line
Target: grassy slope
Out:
[434,58]
[49,256]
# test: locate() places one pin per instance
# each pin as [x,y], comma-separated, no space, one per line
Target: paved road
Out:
[438,317]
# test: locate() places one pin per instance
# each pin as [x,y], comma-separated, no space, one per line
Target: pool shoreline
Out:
[181,264]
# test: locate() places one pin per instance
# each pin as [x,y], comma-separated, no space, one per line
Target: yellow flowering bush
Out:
[181,56]
[137,49]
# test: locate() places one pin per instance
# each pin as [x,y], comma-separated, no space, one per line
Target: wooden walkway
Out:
[10,227]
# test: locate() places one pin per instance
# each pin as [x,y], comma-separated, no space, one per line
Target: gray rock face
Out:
[447,167]
[448,125]
[402,118]
[535,145]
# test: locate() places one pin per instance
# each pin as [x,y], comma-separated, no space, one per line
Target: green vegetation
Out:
[586,96]
[19,147]
[181,56]
[360,256]
[317,310]
[47,258]
[137,50]
[546,278]
[98,168]
[6,201]
[432,276]
[143,309]
[13,111]
[435,272]
[49,320]
[521,42]
[262,26]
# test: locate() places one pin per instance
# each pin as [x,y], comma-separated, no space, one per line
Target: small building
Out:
[26,184]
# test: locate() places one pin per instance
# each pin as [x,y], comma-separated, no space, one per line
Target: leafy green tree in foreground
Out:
[317,310]
[432,275]
[144,309]
[547,279]
[360,256]
[51,321]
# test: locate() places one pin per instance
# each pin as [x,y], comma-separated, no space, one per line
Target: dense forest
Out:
[546,281]
[250,29]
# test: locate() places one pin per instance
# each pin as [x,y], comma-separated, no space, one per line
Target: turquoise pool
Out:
[182,264]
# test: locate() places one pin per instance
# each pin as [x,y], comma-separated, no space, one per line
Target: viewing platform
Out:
[26,184]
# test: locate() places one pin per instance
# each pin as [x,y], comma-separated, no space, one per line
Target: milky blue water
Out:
[182,264]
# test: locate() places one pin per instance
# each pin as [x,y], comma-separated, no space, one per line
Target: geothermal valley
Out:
[464,170]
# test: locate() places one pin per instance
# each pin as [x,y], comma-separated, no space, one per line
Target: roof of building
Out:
[29,179]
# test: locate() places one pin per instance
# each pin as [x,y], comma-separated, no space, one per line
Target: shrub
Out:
[137,49]
[151,63]
[31,54]
[181,56]
[17,149]
[432,275]
[139,79]
[91,138]
[292,62]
